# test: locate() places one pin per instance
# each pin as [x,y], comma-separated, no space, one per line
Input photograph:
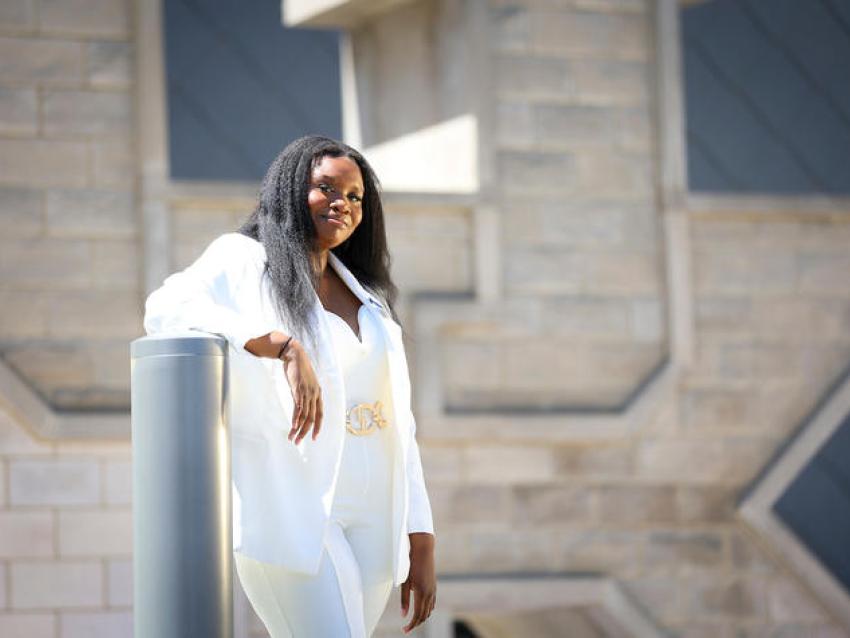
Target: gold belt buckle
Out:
[364,418]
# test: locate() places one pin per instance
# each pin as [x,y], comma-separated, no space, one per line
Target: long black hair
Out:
[282,222]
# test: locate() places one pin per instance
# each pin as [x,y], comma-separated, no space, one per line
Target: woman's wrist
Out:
[283,348]
[271,346]
[290,352]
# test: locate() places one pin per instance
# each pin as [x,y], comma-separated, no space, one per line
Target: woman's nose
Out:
[338,202]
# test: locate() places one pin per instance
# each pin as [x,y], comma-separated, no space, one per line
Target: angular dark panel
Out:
[836,455]
[767,96]
[816,505]
[241,86]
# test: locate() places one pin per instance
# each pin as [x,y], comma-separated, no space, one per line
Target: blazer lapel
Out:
[400,392]
[398,370]
[356,287]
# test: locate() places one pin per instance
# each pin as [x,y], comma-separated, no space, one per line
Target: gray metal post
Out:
[182,545]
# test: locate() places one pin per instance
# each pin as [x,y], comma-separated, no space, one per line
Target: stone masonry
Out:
[582,250]
[68,251]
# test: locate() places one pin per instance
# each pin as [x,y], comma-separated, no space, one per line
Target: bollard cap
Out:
[188,342]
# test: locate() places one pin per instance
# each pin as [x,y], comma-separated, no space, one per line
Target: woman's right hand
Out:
[306,392]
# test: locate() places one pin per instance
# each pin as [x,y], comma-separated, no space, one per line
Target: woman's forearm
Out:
[421,541]
[269,345]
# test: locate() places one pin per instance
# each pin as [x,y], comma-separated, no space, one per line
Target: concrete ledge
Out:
[441,158]
[564,423]
[340,14]
[44,423]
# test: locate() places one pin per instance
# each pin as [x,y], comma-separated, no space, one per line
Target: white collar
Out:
[356,287]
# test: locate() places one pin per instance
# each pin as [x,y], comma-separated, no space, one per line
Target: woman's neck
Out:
[320,261]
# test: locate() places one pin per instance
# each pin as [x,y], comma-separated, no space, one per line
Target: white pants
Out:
[349,593]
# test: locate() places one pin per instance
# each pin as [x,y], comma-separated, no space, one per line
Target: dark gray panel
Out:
[816,506]
[767,92]
[733,139]
[840,10]
[817,41]
[240,86]
[836,455]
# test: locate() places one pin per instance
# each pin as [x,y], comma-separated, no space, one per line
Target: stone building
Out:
[625,278]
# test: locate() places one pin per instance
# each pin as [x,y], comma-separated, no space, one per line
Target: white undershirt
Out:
[363,361]
[365,476]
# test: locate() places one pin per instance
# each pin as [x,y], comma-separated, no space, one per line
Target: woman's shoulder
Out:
[232,255]
[235,247]
[236,240]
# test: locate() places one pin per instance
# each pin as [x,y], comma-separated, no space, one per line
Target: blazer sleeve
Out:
[420,518]
[204,295]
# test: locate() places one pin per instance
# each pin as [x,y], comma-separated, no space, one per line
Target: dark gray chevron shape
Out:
[816,505]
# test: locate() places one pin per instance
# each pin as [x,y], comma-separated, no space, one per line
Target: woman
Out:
[325,524]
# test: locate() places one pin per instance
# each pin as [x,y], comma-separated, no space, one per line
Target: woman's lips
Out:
[334,221]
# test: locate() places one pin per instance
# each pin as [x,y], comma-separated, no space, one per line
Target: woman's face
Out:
[335,200]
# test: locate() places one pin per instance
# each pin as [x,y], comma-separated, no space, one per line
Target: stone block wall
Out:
[582,252]
[69,291]
[69,257]
[574,158]
[582,247]
[66,537]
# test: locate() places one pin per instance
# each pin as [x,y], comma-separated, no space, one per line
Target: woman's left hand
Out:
[422,580]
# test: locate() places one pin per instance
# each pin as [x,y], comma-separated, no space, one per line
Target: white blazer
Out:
[282,493]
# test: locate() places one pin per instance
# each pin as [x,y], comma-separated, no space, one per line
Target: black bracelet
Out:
[283,348]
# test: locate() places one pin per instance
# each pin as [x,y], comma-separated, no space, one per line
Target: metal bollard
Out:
[182,545]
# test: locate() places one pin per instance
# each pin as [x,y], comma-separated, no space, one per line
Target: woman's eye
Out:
[324,188]
[355,198]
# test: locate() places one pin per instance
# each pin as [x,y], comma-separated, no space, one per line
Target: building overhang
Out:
[335,14]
